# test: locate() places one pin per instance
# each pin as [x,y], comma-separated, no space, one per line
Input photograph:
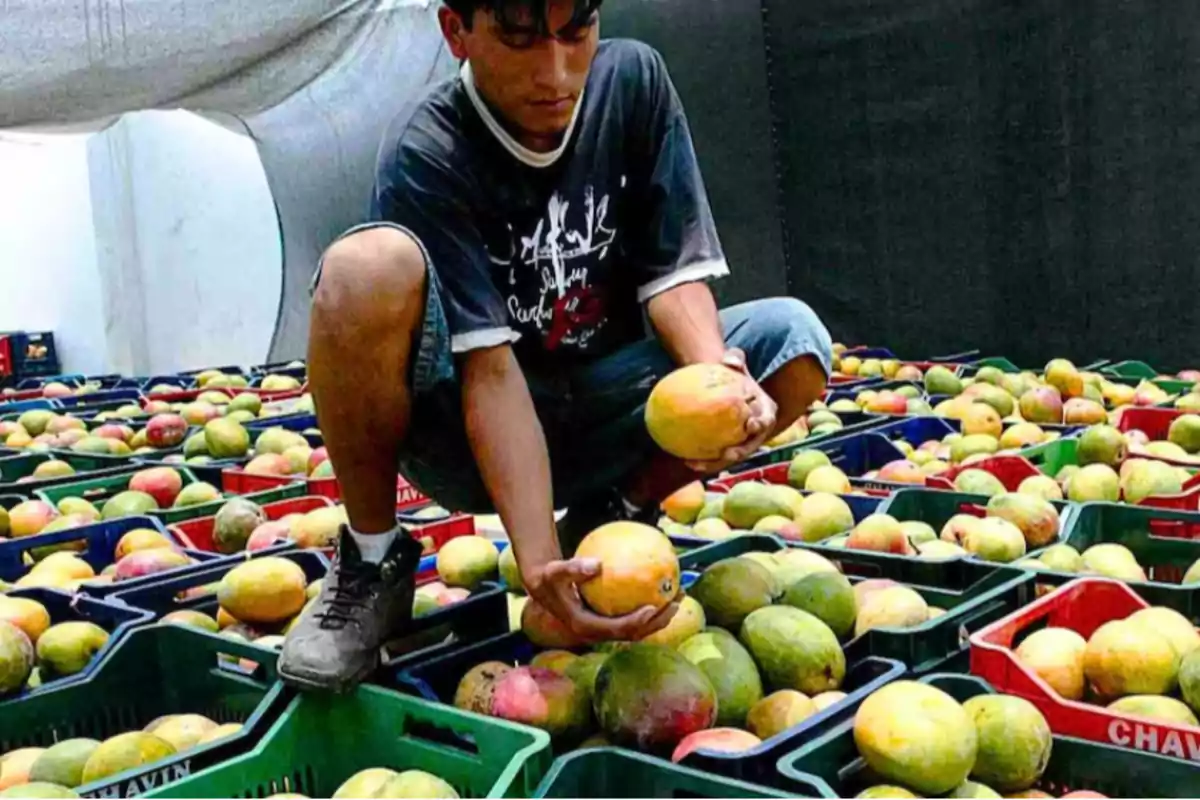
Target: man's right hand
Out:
[555,586]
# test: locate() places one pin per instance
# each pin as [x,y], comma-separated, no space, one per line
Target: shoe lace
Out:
[348,594]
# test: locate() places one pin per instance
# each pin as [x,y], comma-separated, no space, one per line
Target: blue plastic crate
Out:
[484,613]
[100,543]
[103,396]
[231,369]
[73,380]
[184,383]
[916,430]
[11,409]
[292,422]
[117,619]
[280,368]
[853,422]
[161,597]
[881,353]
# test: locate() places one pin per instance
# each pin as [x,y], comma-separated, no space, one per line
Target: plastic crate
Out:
[1130,369]
[161,597]
[853,422]
[210,471]
[281,368]
[97,543]
[1011,470]
[436,678]
[154,671]
[861,505]
[854,454]
[1082,606]
[33,354]
[321,740]
[966,358]
[73,381]
[121,396]
[34,403]
[935,508]
[833,763]
[851,392]
[408,497]
[118,620]
[483,614]
[13,468]
[1164,542]
[98,490]
[196,533]
[1156,424]
[612,772]
[973,594]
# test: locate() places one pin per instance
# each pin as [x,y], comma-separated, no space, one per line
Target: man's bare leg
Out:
[367,313]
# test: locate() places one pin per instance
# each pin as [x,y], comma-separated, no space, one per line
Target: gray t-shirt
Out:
[554,252]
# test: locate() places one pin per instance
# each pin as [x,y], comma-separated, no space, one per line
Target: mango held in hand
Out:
[699,411]
[638,567]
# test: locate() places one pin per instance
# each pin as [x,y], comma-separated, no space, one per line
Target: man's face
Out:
[532,78]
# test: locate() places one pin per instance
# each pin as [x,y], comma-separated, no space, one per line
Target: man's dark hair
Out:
[514,14]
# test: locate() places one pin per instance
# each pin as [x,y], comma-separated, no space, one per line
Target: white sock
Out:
[630,509]
[374,546]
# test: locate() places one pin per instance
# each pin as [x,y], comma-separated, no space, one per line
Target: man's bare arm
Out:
[686,321]
[510,449]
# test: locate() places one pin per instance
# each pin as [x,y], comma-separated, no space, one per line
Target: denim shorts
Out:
[592,415]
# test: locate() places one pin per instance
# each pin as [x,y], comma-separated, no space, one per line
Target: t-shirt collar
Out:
[518,150]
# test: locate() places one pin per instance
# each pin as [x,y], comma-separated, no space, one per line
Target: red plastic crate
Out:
[434,535]
[197,533]
[1156,424]
[6,363]
[1010,470]
[1083,606]
[237,481]
[777,473]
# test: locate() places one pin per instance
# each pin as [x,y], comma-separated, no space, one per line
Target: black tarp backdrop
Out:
[1011,175]
[1018,176]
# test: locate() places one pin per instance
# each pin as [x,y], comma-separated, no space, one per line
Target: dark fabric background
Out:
[1011,175]
[1018,176]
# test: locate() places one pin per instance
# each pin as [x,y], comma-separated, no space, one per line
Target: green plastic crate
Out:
[999,362]
[973,593]
[1130,369]
[833,764]
[98,490]
[614,772]
[1051,457]
[935,507]
[1165,542]
[17,466]
[156,670]
[320,740]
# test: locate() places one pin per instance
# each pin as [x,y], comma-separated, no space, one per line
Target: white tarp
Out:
[314,82]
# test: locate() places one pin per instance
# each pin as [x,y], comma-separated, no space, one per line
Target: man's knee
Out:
[782,329]
[374,268]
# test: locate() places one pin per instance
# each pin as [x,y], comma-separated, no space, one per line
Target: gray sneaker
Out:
[336,644]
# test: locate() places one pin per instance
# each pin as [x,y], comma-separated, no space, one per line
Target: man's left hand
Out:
[760,422]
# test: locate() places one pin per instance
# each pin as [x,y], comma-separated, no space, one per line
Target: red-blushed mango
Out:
[544,699]
[721,740]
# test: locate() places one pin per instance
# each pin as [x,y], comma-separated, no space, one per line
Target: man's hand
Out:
[555,586]
[760,419]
